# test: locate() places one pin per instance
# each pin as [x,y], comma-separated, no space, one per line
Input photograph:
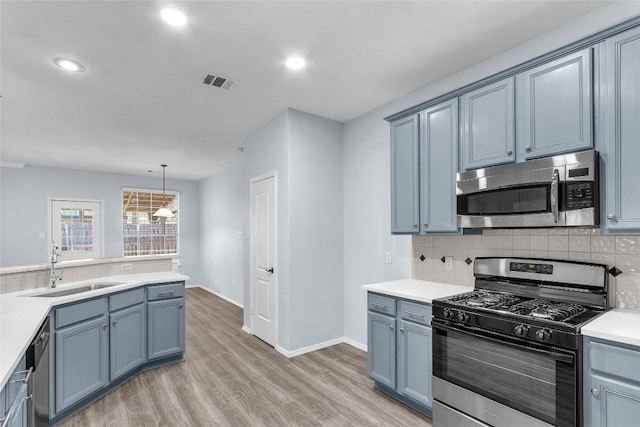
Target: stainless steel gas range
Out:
[508,353]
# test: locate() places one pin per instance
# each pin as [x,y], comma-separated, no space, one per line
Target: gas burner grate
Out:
[545,309]
[485,299]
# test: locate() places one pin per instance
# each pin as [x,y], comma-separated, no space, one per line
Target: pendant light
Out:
[164,212]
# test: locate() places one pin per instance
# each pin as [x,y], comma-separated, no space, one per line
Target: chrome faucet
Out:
[53,277]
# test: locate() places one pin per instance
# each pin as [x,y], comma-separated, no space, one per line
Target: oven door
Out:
[536,380]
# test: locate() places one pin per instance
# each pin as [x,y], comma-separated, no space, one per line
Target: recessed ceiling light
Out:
[296,63]
[69,64]
[174,17]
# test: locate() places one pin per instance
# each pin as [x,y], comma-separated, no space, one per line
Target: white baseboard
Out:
[246,329]
[355,344]
[217,294]
[320,346]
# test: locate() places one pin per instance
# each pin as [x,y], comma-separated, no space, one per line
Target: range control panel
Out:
[525,267]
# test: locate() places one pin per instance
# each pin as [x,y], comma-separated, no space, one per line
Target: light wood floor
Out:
[231,378]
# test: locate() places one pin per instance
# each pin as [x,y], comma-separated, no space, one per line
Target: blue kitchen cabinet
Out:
[165,320]
[13,398]
[399,349]
[619,130]
[487,125]
[405,175]
[81,361]
[611,384]
[127,336]
[554,107]
[438,167]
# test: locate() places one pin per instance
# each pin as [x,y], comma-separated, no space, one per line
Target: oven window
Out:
[531,382]
[509,201]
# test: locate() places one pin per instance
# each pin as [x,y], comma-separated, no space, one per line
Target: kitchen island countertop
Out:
[617,325]
[417,290]
[22,315]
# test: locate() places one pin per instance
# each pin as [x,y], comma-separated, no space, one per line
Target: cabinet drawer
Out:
[170,290]
[80,311]
[415,312]
[618,361]
[126,299]
[382,304]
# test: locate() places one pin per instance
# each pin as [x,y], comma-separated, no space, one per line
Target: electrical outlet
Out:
[448,263]
[387,258]
[126,267]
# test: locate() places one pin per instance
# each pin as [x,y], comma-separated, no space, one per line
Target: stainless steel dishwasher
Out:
[38,357]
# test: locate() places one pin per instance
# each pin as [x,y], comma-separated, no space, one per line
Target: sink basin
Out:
[78,290]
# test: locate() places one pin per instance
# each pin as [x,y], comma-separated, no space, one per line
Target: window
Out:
[142,232]
[76,228]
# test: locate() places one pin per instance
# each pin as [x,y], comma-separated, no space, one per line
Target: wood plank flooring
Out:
[231,378]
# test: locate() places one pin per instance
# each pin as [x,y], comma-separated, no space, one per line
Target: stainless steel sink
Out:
[78,290]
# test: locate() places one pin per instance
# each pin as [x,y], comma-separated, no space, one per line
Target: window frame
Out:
[152,191]
[73,256]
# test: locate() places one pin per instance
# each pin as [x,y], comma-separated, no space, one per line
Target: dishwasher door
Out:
[39,355]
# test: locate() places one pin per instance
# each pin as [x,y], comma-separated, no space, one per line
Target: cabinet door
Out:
[438,166]
[620,123]
[381,349]
[165,328]
[414,362]
[405,189]
[554,107]
[82,361]
[614,403]
[128,345]
[488,125]
[17,413]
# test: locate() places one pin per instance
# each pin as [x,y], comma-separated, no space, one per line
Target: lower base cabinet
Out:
[13,398]
[101,342]
[611,384]
[399,349]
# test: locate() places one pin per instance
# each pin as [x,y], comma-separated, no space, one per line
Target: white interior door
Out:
[76,228]
[263,259]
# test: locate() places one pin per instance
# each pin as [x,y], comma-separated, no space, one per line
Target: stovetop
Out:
[507,303]
[542,301]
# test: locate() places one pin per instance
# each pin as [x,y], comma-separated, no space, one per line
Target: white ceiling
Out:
[141,101]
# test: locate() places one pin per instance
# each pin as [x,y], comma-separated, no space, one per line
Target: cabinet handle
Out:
[165,294]
[401,330]
[113,322]
[527,148]
[595,392]
[391,327]
[509,152]
[180,306]
[105,326]
[611,216]
[416,315]
[381,307]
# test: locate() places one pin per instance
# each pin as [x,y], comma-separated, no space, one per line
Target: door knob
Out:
[527,148]
[270,270]
[611,216]
[509,152]
[595,391]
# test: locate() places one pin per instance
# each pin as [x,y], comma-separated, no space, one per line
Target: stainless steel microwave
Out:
[559,191]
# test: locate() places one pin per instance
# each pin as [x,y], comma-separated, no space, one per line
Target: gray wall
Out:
[306,152]
[224,204]
[366,170]
[24,202]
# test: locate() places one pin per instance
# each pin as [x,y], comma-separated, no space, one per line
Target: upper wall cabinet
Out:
[405,173]
[554,107]
[438,166]
[619,129]
[487,125]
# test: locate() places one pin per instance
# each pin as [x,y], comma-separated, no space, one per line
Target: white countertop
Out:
[417,290]
[21,315]
[618,325]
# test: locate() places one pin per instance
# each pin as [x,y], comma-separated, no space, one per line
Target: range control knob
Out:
[543,334]
[449,314]
[522,330]
[463,317]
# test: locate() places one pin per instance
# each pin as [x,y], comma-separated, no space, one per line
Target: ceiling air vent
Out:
[217,81]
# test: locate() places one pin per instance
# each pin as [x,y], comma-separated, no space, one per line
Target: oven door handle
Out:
[470,330]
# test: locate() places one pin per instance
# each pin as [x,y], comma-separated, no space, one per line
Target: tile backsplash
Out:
[580,244]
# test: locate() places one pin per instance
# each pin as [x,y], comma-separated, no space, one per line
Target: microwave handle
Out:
[554,195]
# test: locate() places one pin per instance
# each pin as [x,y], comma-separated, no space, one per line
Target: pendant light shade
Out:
[164,212]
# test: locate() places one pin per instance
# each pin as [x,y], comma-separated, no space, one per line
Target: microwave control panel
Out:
[579,195]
